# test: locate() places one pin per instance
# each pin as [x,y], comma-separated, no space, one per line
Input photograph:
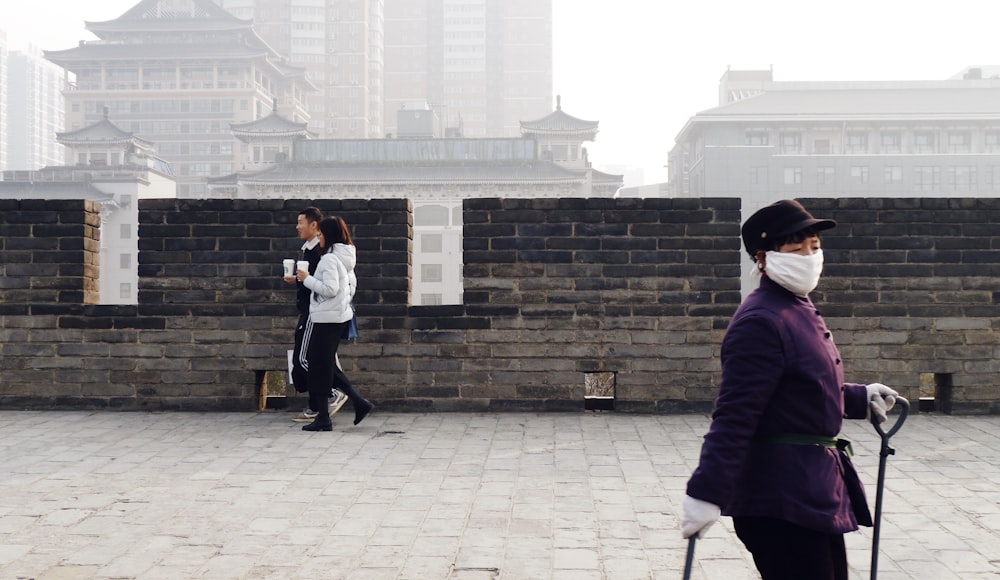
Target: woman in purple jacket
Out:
[771,459]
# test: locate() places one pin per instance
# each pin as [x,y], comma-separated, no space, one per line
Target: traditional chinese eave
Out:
[560,123]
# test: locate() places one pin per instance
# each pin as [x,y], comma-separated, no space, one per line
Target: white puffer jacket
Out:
[333,285]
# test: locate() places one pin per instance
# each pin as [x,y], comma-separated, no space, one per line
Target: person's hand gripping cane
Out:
[880,400]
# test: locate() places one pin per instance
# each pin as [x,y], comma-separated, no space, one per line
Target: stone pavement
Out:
[439,496]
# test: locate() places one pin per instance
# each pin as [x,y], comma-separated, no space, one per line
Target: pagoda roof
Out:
[273,125]
[165,15]
[601,177]
[394,173]
[103,131]
[116,51]
[559,122]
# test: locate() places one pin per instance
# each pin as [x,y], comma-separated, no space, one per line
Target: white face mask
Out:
[794,272]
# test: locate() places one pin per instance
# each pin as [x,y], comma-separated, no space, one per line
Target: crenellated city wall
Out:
[556,292]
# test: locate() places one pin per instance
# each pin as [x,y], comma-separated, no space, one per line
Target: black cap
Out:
[776,221]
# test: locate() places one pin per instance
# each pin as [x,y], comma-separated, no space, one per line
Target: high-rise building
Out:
[481,65]
[35,111]
[3,100]
[178,73]
[339,43]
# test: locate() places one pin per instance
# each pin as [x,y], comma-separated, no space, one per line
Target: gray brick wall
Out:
[50,251]
[911,288]
[554,289]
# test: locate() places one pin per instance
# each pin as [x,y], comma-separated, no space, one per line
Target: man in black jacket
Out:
[307,226]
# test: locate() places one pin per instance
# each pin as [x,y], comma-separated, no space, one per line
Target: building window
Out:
[430,243]
[431,215]
[959,142]
[430,300]
[125,290]
[961,177]
[893,174]
[821,146]
[927,178]
[430,272]
[923,142]
[992,141]
[793,175]
[790,143]
[892,142]
[856,143]
[859,174]
[825,176]
[125,261]
[992,176]
[758,175]
[126,232]
[756,138]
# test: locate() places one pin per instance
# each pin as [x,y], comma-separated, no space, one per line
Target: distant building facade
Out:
[843,139]
[117,169]
[770,140]
[35,110]
[547,161]
[3,100]
[482,65]
[178,73]
[340,44]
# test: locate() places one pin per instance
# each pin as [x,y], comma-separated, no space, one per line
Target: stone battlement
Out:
[555,289]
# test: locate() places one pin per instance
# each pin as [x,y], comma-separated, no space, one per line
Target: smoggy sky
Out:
[643,67]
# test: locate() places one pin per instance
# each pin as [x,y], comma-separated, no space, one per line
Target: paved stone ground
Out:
[439,496]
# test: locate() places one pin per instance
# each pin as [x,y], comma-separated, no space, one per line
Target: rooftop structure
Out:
[178,73]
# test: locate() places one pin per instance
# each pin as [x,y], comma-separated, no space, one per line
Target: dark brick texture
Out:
[553,289]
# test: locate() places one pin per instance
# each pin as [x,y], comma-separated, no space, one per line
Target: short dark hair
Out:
[335,231]
[313,214]
[795,238]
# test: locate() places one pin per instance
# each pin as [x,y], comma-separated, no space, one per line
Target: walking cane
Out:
[885,452]
[689,561]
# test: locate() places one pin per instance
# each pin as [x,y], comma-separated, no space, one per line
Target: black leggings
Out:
[319,359]
[785,551]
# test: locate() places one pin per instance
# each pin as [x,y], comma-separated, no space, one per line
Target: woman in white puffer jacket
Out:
[330,313]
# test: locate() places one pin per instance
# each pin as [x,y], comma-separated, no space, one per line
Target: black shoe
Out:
[363,411]
[318,425]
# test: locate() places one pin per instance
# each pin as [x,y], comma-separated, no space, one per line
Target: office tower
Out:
[483,66]
[3,100]
[35,111]
[339,43]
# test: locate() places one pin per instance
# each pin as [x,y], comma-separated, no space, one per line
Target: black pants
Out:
[299,379]
[319,346]
[785,551]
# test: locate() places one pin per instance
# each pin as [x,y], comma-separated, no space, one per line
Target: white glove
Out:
[698,516]
[880,400]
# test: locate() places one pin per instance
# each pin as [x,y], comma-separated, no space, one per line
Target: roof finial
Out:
[106,110]
[558,102]
[274,104]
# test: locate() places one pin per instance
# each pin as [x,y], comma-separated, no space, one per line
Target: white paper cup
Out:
[302,265]
[289,266]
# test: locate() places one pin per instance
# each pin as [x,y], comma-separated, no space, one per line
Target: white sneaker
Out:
[306,416]
[336,401]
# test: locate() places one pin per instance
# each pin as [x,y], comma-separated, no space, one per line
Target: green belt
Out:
[828,442]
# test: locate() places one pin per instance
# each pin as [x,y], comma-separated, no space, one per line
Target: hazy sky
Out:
[643,67]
